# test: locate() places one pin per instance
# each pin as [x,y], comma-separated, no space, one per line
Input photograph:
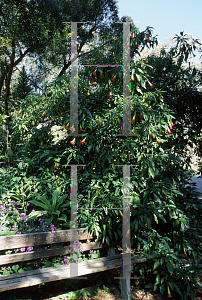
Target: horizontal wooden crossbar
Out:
[31,278]
[26,256]
[41,238]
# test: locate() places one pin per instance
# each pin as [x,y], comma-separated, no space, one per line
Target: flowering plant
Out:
[47,262]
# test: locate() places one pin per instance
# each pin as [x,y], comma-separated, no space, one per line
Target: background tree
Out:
[180,80]
[37,28]
[22,88]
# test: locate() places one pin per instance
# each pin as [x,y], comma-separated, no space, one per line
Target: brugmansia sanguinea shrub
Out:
[162,209]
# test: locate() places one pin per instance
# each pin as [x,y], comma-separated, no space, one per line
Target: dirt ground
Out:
[137,294]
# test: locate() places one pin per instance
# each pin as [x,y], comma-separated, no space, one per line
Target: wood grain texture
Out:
[41,238]
[26,256]
[30,278]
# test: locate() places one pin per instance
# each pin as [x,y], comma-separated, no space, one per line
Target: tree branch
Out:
[65,67]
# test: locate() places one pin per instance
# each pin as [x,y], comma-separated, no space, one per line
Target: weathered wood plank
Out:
[30,278]
[26,256]
[41,238]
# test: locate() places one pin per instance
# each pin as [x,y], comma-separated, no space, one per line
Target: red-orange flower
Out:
[109,96]
[132,77]
[55,167]
[73,141]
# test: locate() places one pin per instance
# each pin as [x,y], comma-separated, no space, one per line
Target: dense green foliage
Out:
[164,211]
[172,73]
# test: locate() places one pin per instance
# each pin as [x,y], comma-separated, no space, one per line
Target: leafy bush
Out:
[163,211]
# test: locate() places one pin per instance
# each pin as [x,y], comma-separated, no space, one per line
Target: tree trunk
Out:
[3,75]
[8,82]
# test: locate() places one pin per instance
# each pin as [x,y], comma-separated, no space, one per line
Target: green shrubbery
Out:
[163,211]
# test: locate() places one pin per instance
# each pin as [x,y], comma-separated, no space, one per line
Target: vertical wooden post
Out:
[124,278]
[125,282]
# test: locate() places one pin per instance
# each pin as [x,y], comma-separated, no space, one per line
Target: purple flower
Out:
[91,251]
[22,249]
[33,210]
[23,194]
[2,213]
[36,265]
[66,259]
[10,208]
[52,227]
[11,202]
[23,214]
[41,259]
[18,233]
[23,218]
[14,227]
[28,203]
[7,222]
[29,249]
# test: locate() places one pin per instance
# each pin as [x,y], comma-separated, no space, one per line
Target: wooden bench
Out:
[49,274]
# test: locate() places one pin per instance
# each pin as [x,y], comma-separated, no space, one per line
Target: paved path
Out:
[198,181]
